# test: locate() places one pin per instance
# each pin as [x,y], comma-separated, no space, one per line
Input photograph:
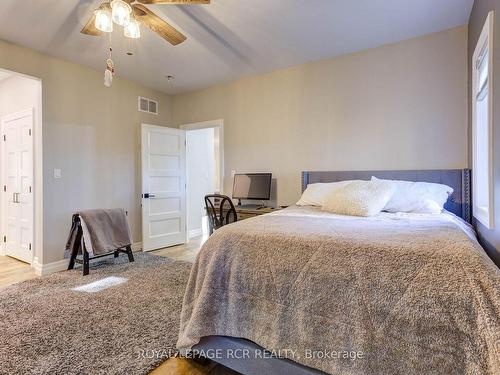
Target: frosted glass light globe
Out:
[103,20]
[120,12]
[132,29]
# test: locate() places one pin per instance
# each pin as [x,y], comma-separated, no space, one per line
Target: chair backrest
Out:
[220,211]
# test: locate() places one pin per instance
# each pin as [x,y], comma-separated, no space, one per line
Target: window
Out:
[482,125]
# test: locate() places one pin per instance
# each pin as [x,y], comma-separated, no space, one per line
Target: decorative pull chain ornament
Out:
[109,73]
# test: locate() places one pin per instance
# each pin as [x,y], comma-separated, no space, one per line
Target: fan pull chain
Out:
[129,47]
[110,48]
[110,67]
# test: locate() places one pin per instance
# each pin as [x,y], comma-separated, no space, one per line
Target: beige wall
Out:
[397,106]
[18,93]
[401,106]
[90,132]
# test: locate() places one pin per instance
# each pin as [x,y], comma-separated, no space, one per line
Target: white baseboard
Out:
[195,232]
[62,265]
[48,268]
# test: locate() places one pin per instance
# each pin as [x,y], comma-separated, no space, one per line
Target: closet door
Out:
[17,179]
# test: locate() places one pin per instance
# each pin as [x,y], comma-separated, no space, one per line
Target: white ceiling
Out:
[4,75]
[227,39]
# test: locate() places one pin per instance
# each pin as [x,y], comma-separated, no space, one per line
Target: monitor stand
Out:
[249,206]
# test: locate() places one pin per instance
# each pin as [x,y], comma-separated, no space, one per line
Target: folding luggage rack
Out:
[78,245]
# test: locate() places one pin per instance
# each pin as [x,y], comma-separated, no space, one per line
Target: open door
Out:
[163,187]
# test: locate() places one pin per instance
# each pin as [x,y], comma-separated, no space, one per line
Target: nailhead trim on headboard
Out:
[459,204]
[466,195]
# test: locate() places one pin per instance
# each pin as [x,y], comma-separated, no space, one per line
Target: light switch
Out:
[57,173]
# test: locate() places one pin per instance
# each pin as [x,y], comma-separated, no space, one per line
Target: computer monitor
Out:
[256,186]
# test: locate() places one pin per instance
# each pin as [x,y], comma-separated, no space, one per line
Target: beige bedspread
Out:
[412,294]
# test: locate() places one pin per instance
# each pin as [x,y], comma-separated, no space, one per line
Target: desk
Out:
[246,213]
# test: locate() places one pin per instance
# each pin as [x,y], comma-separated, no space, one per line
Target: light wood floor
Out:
[186,252]
[180,366]
[13,271]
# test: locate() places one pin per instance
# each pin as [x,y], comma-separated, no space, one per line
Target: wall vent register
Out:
[148,105]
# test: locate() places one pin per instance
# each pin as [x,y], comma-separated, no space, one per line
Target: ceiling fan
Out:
[130,14]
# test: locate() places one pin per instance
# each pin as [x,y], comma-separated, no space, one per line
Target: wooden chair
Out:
[220,211]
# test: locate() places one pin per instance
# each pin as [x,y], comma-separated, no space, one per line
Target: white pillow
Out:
[359,198]
[315,194]
[419,197]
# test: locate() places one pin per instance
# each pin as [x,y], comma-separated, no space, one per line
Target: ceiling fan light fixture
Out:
[120,12]
[103,20]
[132,29]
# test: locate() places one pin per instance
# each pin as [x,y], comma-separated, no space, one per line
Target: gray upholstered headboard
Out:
[459,179]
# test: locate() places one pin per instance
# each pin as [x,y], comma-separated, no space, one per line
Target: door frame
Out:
[215,124]
[37,177]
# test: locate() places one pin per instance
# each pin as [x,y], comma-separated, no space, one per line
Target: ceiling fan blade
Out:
[178,2]
[156,24]
[89,28]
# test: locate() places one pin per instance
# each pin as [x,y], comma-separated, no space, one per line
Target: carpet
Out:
[113,326]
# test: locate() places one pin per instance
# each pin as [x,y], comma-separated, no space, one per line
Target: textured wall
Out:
[400,106]
[18,93]
[90,132]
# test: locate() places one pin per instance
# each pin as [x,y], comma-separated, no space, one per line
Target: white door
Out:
[163,187]
[17,189]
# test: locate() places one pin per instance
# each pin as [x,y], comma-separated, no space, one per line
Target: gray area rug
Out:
[48,328]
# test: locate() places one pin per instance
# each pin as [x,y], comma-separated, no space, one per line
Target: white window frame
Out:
[484,214]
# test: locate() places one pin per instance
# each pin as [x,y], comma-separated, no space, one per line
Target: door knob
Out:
[148,195]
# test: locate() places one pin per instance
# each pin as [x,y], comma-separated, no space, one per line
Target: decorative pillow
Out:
[359,198]
[315,194]
[418,197]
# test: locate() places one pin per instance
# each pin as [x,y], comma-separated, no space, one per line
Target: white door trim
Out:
[37,176]
[212,124]
[216,124]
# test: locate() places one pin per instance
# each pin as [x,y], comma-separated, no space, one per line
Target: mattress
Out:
[406,293]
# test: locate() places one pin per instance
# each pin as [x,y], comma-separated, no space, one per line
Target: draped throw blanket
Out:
[104,230]
[414,294]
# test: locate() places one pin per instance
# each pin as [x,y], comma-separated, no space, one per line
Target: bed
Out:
[324,293]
